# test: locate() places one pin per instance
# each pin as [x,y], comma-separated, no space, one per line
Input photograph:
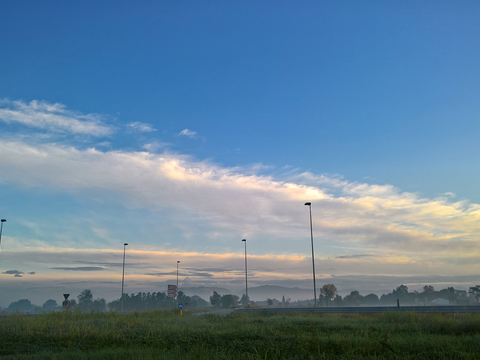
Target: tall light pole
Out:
[123,274]
[309,204]
[1,228]
[178,262]
[246,278]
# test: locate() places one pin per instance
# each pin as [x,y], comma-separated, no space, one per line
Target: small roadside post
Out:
[180,306]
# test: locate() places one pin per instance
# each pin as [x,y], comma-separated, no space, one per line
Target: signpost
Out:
[180,306]
[172,291]
[65,302]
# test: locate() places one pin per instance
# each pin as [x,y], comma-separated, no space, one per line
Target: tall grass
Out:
[166,335]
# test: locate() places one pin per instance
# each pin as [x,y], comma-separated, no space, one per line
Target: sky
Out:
[182,128]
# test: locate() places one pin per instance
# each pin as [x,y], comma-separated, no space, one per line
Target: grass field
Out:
[166,335]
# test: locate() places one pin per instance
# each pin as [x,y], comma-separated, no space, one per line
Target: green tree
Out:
[229,300]
[99,305]
[269,302]
[85,300]
[215,299]
[21,306]
[50,305]
[475,291]
[338,301]
[244,300]
[328,292]
[353,299]
[371,299]
[428,289]
[71,305]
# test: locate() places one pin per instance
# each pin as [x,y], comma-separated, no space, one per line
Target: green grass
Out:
[166,335]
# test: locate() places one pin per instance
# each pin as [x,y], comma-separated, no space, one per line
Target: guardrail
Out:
[363,309]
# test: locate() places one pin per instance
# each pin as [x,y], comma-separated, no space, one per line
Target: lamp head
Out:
[125,244]
[3,220]
[244,240]
[178,261]
[308,203]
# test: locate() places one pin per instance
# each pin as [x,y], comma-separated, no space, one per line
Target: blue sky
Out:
[182,128]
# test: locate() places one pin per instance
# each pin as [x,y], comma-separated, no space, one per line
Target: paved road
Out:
[222,312]
[363,309]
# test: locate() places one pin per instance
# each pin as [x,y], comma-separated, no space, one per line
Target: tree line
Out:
[329,297]
[86,303]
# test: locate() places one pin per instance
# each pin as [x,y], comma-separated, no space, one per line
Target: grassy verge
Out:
[165,335]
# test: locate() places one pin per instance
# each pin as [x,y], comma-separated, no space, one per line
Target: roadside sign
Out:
[172,290]
[65,302]
[180,306]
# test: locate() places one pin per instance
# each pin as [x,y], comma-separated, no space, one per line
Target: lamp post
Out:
[123,273]
[309,204]
[1,228]
[178,262]
[246,279]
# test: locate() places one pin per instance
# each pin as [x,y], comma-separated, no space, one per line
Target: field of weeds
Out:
[167,335]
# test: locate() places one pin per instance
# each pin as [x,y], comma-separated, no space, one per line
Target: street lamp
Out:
[123,274]
[178,262]
[1,228]
[309,204]
[246,280]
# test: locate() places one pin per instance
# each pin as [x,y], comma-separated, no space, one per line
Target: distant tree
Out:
[50,305]
[475,291]
[229,300]
[428,289]
[22,306]
[338,301]
[215,299]
[243,300]
[182,298]
[328,291]
[71,305]
[114,305]
[371,299]
[269,302]
[462,297]
[283,300]
[402,290]
[85,300]
[288,301]
[197,301]
[353,299]
[99,305]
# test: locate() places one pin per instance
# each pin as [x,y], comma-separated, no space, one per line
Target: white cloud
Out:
[52,117]
[187,132]
[141,127]
[376,218]
[155,146]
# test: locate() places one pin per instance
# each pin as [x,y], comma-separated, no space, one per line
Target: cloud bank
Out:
[360,229]
[378,217]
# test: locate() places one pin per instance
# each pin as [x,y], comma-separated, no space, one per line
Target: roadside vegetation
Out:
[167,335]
